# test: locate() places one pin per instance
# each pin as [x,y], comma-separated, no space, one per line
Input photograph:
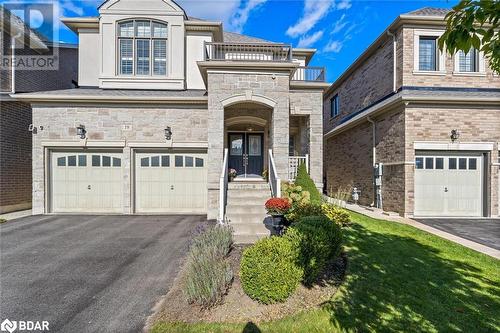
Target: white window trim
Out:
[456,66]
[417,33]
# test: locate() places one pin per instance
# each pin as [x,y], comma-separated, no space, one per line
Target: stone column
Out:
[315,125]
[280,136]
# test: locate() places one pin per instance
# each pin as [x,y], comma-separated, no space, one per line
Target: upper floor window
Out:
[428,54]
[142,47]
[470,62]
[334,106]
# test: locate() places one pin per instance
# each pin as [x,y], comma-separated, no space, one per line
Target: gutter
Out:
[374,155]
[394,63]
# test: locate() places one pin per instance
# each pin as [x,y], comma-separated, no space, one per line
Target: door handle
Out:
[89,187]
[171,187]
[446,189]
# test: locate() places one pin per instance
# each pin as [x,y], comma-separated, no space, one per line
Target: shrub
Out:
[269,270]
[318,241]
[303,210]
[277,206]
[295,194]
[336,214]
[304,180]
[208,273]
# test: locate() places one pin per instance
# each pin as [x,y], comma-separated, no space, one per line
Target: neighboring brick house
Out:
[401,104]
[169,103]
[16,116]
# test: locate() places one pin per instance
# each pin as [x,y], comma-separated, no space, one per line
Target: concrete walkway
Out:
[378,214]
[15,215]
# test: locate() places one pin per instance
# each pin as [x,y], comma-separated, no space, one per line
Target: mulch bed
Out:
[238,307]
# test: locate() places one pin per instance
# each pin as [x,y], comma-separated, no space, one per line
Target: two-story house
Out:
[18,45]
[168,104]
[431,119]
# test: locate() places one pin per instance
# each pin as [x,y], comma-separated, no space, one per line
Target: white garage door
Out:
[448,185]
[86,182]
[171,182]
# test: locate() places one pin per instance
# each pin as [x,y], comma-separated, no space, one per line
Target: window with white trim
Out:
[142,46]
[428,54]
[470,62]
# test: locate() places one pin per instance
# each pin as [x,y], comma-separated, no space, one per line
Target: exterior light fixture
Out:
[455,135]
[168,133]
[81,132]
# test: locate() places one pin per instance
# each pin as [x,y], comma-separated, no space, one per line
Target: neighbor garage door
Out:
[171,182]
[83,182]
[448,185]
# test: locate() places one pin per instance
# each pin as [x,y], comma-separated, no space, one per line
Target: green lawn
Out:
[399,279]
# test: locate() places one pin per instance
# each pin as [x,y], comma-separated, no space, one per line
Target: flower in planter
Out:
[232,174]
[277,206]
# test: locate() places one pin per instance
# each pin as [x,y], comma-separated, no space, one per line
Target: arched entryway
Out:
[247,138]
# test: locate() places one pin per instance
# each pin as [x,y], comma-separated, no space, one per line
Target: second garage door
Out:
[171,182]
[448,185]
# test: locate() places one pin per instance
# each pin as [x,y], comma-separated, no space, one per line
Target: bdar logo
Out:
[8,325]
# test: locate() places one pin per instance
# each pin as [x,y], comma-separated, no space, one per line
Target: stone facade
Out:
[105,124]
[348,154]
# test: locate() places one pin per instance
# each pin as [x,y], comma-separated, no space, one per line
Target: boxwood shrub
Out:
[318,240]
[336,214]
[269,271]
[304,180]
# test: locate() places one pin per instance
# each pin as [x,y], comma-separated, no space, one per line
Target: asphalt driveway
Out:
[90,273]
[482,231]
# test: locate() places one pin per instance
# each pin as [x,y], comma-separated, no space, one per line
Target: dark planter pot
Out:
[280,221]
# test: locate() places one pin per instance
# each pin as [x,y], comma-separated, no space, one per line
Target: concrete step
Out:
[248,239]
[250,218]
[249,228]
[253,201]
[248,186]
[248,208]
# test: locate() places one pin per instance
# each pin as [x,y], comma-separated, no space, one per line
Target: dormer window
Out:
[142,46]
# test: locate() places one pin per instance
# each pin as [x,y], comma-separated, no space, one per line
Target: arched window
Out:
[142,47]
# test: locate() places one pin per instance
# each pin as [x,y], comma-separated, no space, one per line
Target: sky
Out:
[340,30]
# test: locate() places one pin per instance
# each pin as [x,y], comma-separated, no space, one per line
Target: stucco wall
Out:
[107,123]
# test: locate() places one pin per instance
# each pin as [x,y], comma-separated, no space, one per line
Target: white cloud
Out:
[333,46]
[339,25]
[241,17]
[344,4]
[314,10]
[308,40]
[69,7]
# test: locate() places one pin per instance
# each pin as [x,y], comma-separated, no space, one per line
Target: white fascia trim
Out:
[85,143]
[168,144]
[445,145]
[110,99]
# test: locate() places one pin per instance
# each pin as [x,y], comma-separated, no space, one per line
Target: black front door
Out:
[246,154]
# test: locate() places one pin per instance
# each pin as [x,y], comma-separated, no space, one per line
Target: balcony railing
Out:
[315,74]
[257,52]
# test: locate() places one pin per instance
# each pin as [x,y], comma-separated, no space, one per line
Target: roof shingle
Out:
[429,11]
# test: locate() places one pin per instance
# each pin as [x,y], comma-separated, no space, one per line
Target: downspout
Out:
[13,60]
[374,157]
[394,62]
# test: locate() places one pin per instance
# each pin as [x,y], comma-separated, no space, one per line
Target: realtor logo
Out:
[24,325]
[8,326]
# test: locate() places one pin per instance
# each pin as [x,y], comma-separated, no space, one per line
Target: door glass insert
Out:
[72,160]
[452,163]
[165,161]
[462,163]
[155,161]
[254,145]
[236,145]
[472,163]
[419,163]
[82,160]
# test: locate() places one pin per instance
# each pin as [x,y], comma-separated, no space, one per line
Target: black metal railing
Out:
[315,74]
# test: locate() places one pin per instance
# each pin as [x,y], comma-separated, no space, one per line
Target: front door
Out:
[246,154]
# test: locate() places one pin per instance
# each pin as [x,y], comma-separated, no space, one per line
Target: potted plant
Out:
[277,208]
[232,174]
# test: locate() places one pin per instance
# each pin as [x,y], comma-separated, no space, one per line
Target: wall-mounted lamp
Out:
[168,133]
[455,135]
[81,132]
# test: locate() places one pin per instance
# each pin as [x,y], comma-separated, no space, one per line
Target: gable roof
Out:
[429,11]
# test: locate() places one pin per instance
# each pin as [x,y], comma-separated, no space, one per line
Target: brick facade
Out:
[348,154]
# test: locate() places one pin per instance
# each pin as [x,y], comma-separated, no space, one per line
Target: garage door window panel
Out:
[472,163]
[462,163]
[72,161]
[165,161]
[82,160]
[61,161]
[199,163]
[145,162]
[96,160]
[452,163]
[439,163]
[179,161]
[155,161]
[429,163]
[189,162]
